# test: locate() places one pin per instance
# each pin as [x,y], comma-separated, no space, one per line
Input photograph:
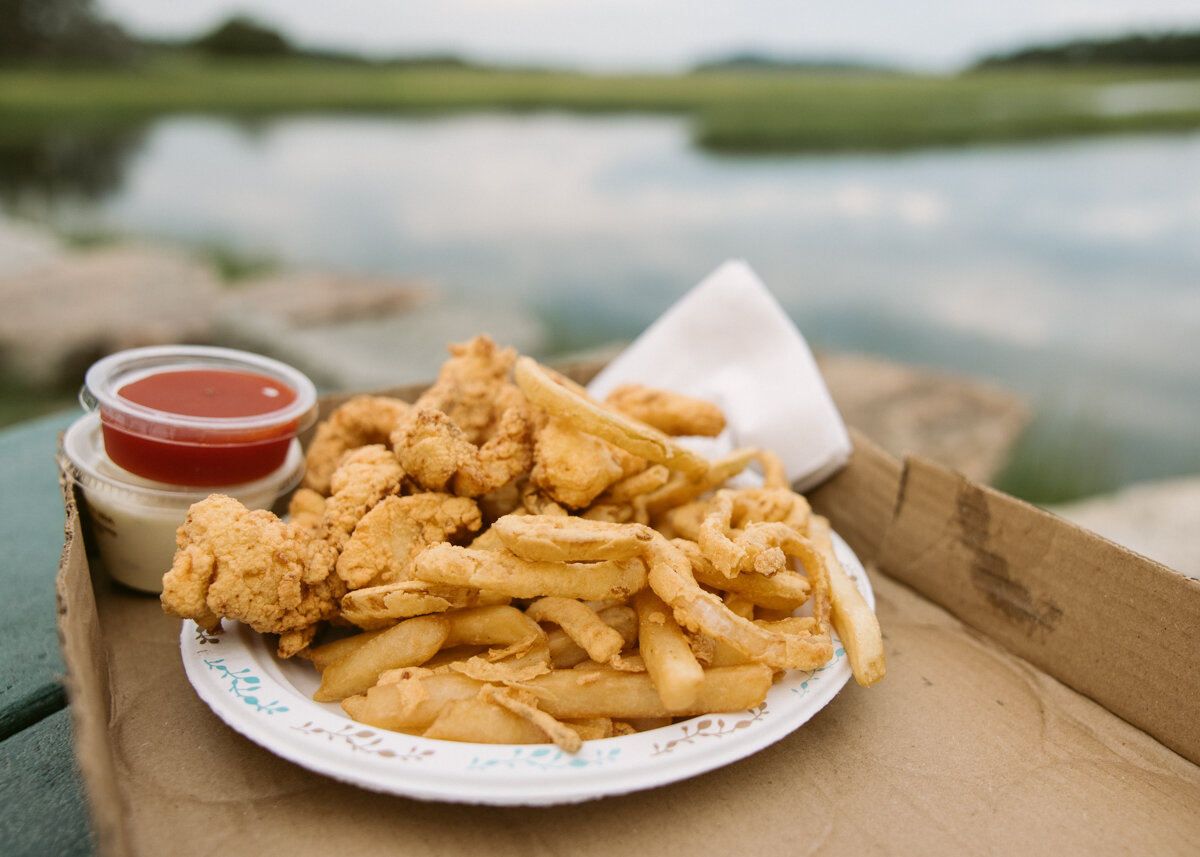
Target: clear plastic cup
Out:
[198,415]
[134,519]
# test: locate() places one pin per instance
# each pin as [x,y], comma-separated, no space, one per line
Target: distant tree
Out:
[58,31]
[1139,49]
[241,36]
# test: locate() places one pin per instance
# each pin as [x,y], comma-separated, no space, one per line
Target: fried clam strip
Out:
[360,421]
[567,403]
[671,578]
[380,606]
[754,548]
[784,591]
[855,621]
[412,700]
[557,538]
[504,572]
[670,412]
[683,488]
[387,538]
[741,530]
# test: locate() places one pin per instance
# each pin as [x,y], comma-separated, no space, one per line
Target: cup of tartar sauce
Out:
[166,427]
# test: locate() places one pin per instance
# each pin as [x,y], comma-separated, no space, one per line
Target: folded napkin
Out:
[728,341]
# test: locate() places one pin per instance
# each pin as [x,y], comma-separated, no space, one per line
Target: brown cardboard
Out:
[973,744]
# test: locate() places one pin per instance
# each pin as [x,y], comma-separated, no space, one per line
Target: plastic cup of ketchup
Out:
[198,415]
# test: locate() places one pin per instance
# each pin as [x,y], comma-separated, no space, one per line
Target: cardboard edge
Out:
[1044,588]
[86,678]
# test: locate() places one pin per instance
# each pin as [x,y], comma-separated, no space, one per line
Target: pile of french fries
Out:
[673,596]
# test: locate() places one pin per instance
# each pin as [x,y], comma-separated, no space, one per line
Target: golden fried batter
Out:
[383,545]
[307,508]
[440,456]
[474,389]
[571,467]
[365,476]
[358,422]
[252,567]
[669,412]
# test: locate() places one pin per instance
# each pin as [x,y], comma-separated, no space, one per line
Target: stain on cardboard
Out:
[991,572]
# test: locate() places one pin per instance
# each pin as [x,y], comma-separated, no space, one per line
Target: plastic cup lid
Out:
[107,376]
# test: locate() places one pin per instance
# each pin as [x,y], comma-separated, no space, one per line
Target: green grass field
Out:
[733,112]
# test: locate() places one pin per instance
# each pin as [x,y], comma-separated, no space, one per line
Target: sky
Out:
[670,35]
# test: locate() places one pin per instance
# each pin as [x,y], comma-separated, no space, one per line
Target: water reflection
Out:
[64,167]
[1068,271]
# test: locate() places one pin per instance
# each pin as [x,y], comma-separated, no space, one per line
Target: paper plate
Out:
[269,701]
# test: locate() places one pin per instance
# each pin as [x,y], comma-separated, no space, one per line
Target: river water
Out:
[1069,272]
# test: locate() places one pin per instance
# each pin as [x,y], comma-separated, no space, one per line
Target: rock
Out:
[1160,520]
[309,298]
[960,422]
[25,248]
[61,315]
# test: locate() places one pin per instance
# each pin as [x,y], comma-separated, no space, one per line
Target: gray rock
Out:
[61,315]
[961,422]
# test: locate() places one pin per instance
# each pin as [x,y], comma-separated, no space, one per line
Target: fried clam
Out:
[252,567]
[390,535]
[440,456]
[359,421]
[474,388]
[670,412]
[365,476]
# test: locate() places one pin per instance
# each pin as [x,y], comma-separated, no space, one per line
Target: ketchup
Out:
[209,393]
[206,455]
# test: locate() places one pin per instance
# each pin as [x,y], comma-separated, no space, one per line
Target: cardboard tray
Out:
[1042,695]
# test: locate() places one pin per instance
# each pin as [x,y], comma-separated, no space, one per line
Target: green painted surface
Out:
[31,531]
[42,808]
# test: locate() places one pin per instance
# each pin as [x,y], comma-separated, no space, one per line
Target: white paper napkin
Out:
[728,341]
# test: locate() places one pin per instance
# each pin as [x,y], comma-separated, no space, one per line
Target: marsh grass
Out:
[732,111]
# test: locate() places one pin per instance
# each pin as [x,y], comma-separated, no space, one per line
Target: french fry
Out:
[409,704]
[327,653]
[673,668]
[568,694]
[671,578]
[497,625]
[581,624]
[784,591]
[483,721]
[410,643]
[853,619]
[566,653]
[507,573]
